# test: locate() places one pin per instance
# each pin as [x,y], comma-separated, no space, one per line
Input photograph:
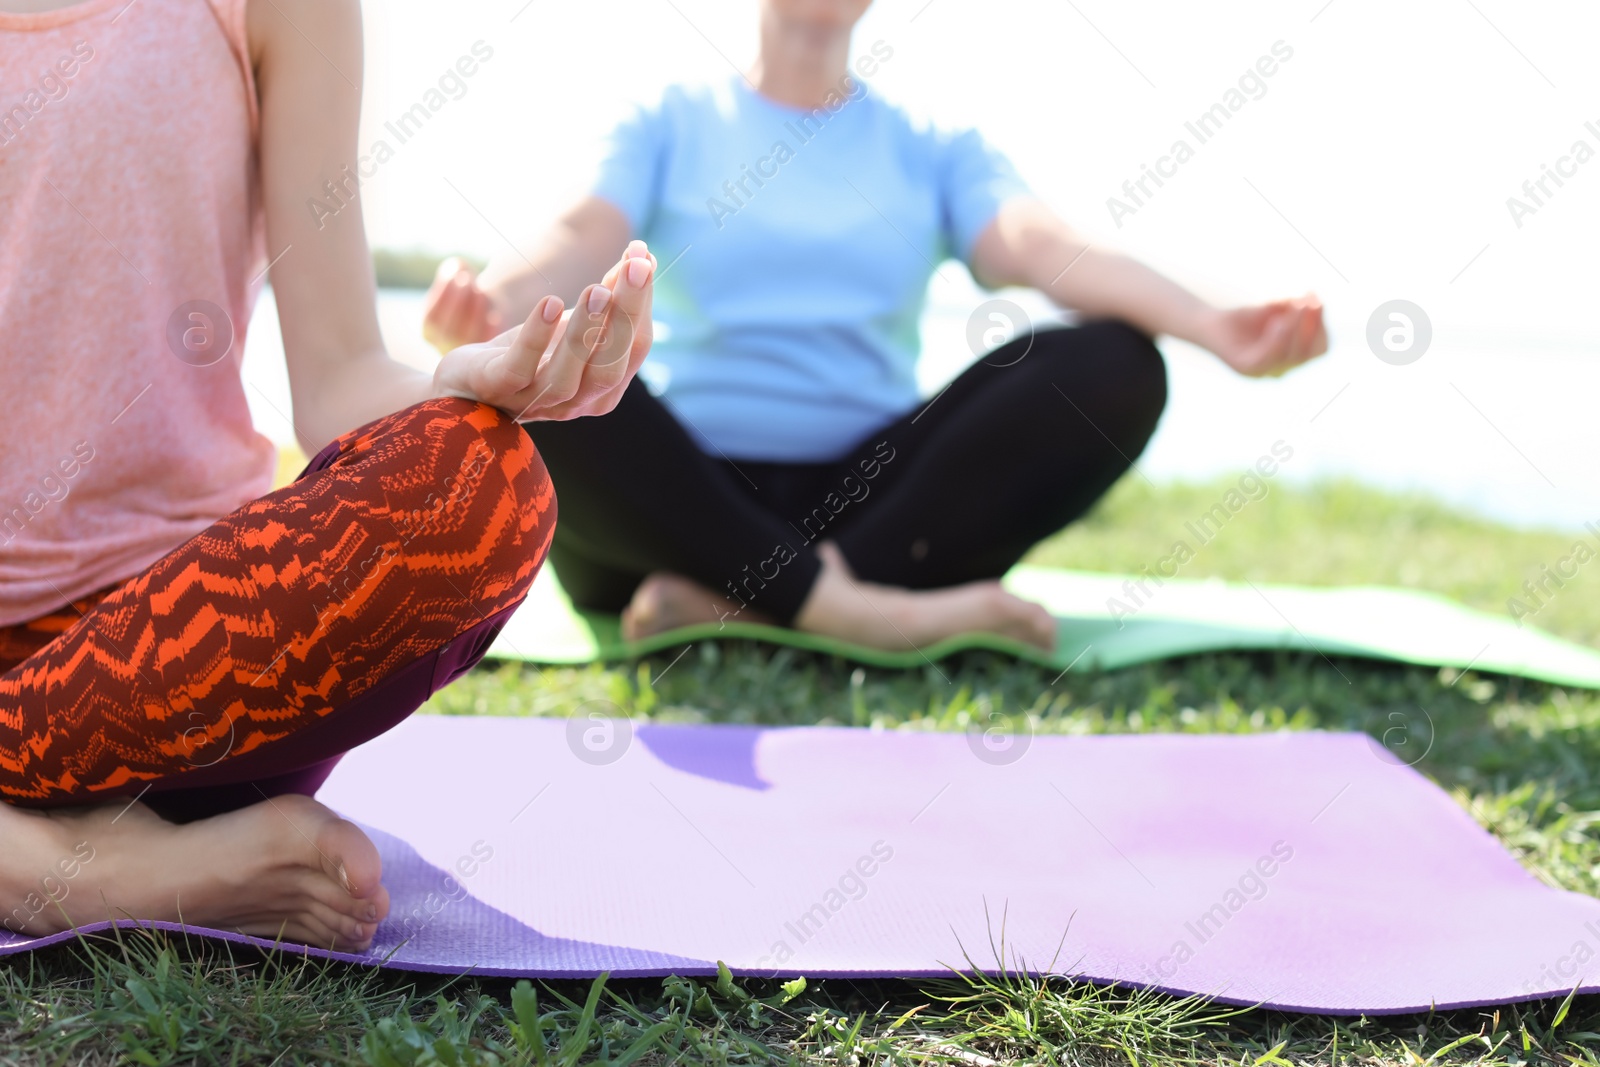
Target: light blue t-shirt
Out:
[795,250]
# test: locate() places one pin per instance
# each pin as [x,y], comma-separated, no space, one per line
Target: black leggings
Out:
[1020,444]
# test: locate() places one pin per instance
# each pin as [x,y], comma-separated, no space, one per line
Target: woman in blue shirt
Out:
[776,463]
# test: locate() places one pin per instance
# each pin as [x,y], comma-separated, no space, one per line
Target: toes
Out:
[1046,631]
[639,617]
[316,925]
[294,929]
[338,880]
[349,857]
[379,902]
[349,933]
[310,909]
[306,885]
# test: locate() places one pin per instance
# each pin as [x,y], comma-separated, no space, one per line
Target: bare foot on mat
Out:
[666,601]
[895,619]
[287,868]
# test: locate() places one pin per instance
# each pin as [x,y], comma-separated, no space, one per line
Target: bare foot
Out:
[285,868]
[666,601]
[895,619]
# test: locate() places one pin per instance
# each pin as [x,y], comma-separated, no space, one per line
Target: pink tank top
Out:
[131,252]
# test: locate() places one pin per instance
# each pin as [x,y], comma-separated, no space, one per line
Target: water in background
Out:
[1490,424]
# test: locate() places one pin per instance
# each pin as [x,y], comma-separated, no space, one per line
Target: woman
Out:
[787,471]
[184,657]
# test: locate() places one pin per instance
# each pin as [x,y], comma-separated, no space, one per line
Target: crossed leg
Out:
[897,545]
[158,755]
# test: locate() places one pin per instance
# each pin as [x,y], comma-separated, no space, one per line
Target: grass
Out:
[1341,533]
[1522,757]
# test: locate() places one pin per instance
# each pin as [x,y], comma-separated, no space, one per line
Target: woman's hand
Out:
[1269,339]
[456,310]
[557,366]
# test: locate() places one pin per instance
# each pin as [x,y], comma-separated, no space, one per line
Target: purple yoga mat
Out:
[1307,871]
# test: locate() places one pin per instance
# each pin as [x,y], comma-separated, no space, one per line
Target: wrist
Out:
[1202,326]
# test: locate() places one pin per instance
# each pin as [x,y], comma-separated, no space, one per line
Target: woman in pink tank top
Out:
[184,655]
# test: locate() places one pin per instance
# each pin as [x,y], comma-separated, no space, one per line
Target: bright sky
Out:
[1375,165]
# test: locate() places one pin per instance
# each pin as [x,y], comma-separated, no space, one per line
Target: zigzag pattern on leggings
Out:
[422,525]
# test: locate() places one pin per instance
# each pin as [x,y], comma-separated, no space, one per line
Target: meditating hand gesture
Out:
[556,365]
[1268,339]
[457,311]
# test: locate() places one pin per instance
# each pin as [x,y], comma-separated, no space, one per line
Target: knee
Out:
[508,444]
[489,435]
[465,441]
[479,479]
[493,442]
[1130,373]
[1137,366]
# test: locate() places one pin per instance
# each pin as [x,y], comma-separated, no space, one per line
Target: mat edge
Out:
[549,974]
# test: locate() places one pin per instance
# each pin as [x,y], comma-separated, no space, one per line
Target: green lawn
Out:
[1343,534]
[1523,758]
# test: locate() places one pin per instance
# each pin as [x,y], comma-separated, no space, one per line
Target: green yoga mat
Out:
[1178,618]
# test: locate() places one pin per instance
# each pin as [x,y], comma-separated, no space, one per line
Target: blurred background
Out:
[1376,166]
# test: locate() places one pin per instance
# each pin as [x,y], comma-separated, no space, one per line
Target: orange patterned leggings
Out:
[246,662]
